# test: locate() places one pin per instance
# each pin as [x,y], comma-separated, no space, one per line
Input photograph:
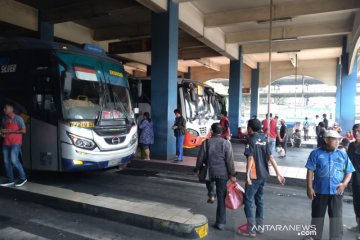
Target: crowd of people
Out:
[330,167]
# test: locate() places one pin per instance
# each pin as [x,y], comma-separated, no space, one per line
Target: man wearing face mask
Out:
[329,171]
[354,155]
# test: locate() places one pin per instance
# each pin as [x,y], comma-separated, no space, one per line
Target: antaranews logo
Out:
[301,230]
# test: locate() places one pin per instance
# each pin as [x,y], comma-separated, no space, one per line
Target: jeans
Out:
[318,209]
[221,194]
[255,190]
[210,185]
[284,145]
[11,160]
[272,144]
[179,146]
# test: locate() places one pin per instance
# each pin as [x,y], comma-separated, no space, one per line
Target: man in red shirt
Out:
[272,133]
[12,128]
[224,122]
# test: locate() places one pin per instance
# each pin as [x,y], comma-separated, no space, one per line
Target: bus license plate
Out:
[112,163]
[82,124]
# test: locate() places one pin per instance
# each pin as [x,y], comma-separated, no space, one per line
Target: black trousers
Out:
[318,209]
[221,194]
[356,202]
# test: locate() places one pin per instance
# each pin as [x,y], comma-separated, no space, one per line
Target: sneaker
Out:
[247,234]
[308,238]
[20,183]
[7,184]
[220,227]
[211,200]
[260,231]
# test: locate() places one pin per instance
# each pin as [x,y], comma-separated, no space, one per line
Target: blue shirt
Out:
[329,169]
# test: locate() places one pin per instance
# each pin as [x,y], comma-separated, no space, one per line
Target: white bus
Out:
[75,103]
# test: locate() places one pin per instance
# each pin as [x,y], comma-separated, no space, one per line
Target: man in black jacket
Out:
[179,128]
[218,155]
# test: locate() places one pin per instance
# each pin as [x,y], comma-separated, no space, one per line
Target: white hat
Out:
[332,134]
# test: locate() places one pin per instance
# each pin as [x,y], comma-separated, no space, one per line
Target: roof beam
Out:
[209,64]
[84,9]
[285,10]
[197,53]
[156,6]
[293,46]
[303,31]
[124,31]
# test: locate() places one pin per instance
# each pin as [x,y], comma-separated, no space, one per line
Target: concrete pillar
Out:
[338,87]
[45,29]
[235,93]
[347,91]
[148,70]
[254,97]
[187,75]
[164,79]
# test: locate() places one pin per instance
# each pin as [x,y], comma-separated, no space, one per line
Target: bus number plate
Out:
[82,124]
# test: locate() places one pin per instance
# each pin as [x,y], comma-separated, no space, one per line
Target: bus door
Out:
[44,119]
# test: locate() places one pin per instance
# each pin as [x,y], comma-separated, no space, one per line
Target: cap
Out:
[332,134]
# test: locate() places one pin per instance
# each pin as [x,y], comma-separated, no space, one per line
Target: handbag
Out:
[202,173]
[234,196]
[204,168]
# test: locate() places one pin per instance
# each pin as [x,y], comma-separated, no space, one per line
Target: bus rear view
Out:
[75,103]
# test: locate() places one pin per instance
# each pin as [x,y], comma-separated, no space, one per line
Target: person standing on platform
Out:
[272,132]
[306,126]
[321,135]
[354,155]
[325,121]
[179,128]
[146,135]
[283,137]
[12,129]
[224,122]
[329,171]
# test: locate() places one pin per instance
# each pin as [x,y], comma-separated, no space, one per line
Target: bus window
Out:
[44,106]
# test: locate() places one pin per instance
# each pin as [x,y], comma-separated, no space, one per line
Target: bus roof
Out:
[7,44]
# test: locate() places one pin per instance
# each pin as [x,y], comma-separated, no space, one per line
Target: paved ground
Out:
[284,205]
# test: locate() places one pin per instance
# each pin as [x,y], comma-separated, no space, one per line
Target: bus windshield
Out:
[93,89]
[200,105]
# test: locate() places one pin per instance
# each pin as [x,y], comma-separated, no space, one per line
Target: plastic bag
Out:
[234,196]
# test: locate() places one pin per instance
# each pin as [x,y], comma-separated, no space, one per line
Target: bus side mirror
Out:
[67,82]
[139,89]
[192,95]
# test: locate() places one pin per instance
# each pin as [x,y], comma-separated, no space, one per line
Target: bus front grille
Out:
[115,140]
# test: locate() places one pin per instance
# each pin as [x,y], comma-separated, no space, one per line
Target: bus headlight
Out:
[82,142]
[133,139]
[192,132]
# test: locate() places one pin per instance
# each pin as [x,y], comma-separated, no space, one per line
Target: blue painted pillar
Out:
[254,97]
[338,88]
[347,91]
[45,29]
[235,93]
[164,59]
